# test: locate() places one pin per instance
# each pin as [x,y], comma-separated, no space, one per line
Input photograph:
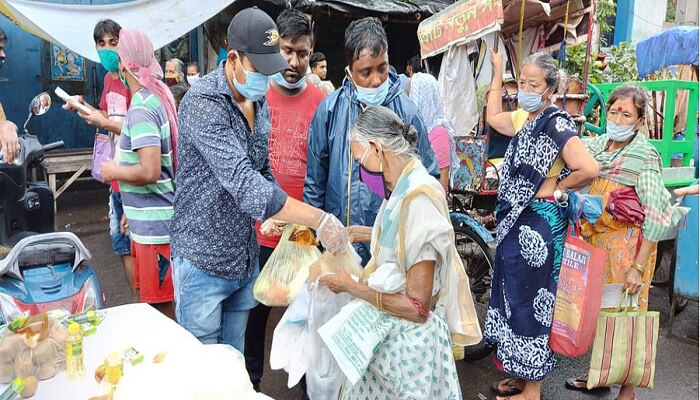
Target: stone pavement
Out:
[83,210]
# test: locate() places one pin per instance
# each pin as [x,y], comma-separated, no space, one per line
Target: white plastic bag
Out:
[324,378]
[289,339]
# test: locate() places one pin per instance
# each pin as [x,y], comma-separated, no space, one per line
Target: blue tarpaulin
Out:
[676,46]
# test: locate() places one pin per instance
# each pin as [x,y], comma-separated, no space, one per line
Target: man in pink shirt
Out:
[114,104]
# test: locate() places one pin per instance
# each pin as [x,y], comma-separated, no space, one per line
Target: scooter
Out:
[40,270]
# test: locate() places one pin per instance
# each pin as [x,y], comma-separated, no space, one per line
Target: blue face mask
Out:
[255,86]
[530,102]
[291,86]
[619,133]
[372,96]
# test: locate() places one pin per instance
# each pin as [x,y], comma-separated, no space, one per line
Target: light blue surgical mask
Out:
[530,102]
[372,96]
[619,133]
[255,86]
[291,86]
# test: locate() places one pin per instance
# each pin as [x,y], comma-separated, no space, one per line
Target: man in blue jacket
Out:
[368,83]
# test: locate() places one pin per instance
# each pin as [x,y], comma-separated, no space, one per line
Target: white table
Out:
[134,325]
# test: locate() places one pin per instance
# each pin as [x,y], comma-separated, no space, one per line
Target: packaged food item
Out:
[114,367]
[13,391]
[36,349]
[75,365]
[287,268]
[132,356]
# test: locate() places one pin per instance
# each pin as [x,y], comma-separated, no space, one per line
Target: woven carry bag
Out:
[624,349]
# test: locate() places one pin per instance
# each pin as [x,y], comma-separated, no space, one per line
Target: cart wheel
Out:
[477,258]
[595,99]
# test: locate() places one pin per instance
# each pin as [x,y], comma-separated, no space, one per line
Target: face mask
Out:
[123,79]
[619,133]
[530,102]
[255,86]
[374,180]
[373,96]
[2,62]
[192,79]
[171,81]
[108,59]
[291,86]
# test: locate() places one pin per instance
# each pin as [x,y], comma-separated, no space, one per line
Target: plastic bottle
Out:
[75,367]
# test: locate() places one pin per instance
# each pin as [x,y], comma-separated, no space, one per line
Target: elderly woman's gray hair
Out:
[179,66]
[380,124]
[546,63]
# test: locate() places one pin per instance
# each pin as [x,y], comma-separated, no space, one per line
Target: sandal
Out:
[511,391]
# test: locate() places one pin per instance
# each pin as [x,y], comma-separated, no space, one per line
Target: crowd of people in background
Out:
[201,160]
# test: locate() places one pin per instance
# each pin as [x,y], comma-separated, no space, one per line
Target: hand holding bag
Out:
[579,294]
[624,349]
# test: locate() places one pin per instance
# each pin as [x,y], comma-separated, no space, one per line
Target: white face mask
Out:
[620,133]
[192,79]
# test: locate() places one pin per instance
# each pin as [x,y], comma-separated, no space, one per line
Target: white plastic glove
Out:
[272,227]
[332,234]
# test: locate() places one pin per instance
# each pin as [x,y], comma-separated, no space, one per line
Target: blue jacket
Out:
[326,184]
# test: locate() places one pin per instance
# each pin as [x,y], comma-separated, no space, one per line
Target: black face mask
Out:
[2,62]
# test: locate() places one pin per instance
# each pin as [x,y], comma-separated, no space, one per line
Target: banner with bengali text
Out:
[460,23]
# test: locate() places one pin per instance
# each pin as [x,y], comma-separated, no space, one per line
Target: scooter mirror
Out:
[40,104]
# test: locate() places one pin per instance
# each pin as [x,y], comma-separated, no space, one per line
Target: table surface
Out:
[134,325]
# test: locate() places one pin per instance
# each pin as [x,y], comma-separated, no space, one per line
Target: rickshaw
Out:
[473,185]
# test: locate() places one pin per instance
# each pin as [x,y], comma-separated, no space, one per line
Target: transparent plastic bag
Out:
[287,268]
[37,349]
[329,263]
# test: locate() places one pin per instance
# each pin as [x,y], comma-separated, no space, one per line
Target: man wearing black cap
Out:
[224,184]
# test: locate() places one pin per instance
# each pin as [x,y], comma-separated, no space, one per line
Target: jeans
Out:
[212,308]
[121,244]
[255,331]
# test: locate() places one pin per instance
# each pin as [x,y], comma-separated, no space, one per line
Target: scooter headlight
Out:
[8,309]
[91,301]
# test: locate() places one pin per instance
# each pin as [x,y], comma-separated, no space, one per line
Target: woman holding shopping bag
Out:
[637,206]
[429,305]
[543,156]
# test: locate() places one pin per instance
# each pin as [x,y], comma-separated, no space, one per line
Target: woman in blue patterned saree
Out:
[415,290]
[544,155]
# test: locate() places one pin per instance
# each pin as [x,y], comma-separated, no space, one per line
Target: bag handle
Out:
[626,298]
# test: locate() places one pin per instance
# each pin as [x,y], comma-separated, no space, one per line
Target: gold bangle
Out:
[379,301]
[639,267]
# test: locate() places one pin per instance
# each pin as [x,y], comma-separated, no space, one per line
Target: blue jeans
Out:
[212,308]
[121,244]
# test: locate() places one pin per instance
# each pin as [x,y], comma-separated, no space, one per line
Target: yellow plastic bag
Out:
[287,268]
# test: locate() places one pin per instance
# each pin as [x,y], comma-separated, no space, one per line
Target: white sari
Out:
[415,360]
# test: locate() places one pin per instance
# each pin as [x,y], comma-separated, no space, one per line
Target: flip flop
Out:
[508,383]
[579,383]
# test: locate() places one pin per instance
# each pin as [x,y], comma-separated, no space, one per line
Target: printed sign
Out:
[460,23]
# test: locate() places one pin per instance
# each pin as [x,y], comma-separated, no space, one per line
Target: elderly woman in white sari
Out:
[428,305]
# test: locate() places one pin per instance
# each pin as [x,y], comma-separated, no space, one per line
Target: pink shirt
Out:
[440,140]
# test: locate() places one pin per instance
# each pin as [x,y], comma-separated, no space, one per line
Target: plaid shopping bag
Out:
[624,349]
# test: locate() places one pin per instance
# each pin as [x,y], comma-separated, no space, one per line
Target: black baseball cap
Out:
[255,33]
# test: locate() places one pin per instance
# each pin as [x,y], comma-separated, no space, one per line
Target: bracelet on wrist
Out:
[639,267]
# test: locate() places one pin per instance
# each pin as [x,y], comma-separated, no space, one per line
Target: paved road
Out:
[83,210]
